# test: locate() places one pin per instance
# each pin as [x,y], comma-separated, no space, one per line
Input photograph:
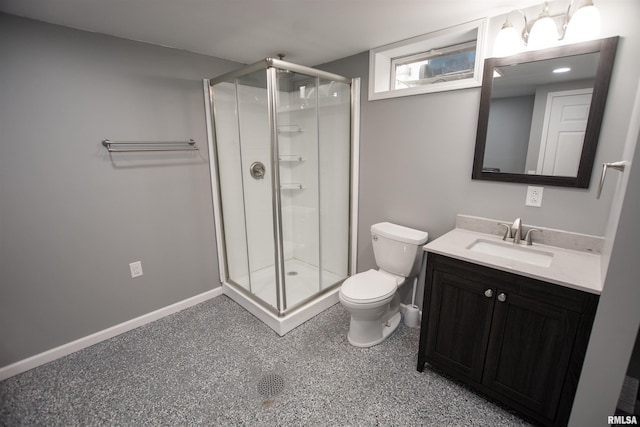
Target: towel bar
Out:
[125,146]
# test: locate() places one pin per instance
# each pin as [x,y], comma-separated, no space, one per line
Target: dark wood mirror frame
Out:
[607,49]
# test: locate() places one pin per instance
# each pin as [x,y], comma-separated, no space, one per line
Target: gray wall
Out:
[508,133]
[618,317]
[72,217]
[416,153]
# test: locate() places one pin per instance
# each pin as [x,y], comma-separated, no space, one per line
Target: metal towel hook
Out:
[619,166]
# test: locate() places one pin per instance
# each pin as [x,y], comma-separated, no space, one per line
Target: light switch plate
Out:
[136,269]
[534,196]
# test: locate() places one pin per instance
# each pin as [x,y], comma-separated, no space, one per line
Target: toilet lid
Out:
[369,286]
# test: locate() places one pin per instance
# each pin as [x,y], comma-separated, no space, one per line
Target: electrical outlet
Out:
[136,269]
[534,196]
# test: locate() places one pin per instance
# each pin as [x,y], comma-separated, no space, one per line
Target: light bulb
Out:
[584,25]
[508,41]
[544,33]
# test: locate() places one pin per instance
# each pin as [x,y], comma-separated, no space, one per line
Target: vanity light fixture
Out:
[582,25]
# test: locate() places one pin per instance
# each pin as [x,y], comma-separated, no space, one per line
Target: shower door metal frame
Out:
[271,66]
[272,107]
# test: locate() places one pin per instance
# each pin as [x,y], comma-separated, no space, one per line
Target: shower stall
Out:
[283,144]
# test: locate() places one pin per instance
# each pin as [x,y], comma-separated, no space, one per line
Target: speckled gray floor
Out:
[203,366]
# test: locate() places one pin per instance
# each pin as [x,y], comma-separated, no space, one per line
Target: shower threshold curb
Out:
[282,325]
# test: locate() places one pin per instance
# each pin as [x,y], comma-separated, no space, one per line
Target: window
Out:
[446,60]
[436,66]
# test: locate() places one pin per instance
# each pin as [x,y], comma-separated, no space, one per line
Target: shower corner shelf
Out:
[290,129]
[291,158]
[292,186]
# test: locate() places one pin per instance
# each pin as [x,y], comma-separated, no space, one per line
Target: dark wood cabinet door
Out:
[458,324]
[529,351]
[523,343]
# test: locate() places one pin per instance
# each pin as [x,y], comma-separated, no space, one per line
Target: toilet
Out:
[371,297]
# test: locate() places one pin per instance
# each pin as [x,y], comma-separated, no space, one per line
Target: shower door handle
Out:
[257,170]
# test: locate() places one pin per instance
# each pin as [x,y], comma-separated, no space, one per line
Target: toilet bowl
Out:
[368,298]
[371,297]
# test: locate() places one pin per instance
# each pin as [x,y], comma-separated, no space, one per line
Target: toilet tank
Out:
[398,249]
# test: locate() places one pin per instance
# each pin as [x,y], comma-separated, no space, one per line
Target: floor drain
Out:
[270,385]
[292,273]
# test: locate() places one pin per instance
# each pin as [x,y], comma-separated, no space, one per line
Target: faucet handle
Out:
[507,231]
[527,237]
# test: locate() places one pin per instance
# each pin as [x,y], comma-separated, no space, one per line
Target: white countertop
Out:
[573,269]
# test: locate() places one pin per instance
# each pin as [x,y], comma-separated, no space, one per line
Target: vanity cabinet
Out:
[519,340]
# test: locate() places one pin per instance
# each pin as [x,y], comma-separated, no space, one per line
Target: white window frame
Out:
[381,60]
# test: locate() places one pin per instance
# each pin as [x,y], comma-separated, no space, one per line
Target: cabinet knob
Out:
[502,297]
[488,293]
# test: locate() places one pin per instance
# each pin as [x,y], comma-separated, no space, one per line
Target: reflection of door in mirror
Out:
[565,122]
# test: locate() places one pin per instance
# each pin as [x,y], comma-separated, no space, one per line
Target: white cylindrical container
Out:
[412,316]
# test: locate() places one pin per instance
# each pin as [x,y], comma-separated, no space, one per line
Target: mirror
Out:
[537,126]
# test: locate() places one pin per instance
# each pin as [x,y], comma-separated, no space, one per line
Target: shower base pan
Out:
[298,276]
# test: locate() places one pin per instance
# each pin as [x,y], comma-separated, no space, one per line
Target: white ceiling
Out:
[309,32]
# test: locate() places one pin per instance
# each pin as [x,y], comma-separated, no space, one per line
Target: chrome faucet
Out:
[516,230]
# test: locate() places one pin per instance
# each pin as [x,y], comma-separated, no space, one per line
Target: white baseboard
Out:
[84,342]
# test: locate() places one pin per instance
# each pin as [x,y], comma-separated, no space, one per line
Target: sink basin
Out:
[512,252]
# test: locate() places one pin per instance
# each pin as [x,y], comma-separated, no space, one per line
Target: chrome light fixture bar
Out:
[544,31]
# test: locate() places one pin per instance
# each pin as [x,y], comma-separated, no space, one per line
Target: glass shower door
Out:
[334,165]
[314,142]
[245,179]
[297,135]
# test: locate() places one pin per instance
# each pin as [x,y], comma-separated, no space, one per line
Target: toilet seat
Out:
[368,287]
